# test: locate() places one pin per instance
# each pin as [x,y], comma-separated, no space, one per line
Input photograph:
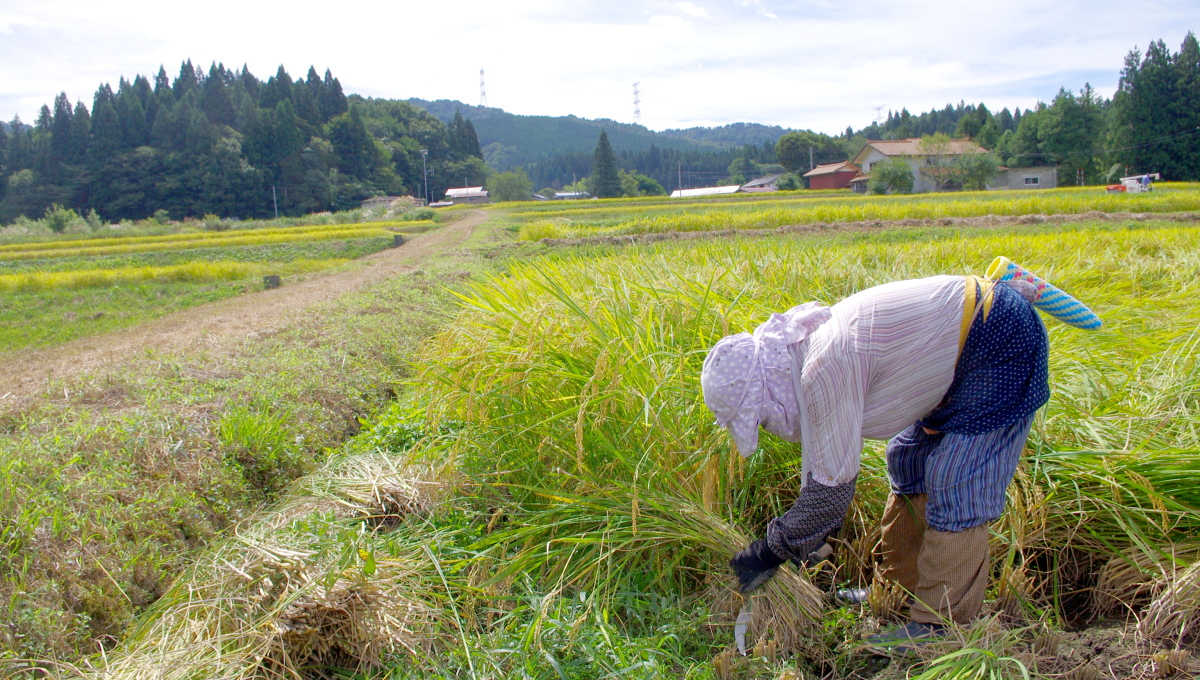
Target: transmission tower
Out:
[879,113]
[637,104]
[482,90]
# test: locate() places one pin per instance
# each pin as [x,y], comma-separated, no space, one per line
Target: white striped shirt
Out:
[883,361]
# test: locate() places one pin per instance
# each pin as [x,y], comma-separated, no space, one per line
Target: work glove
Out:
[755,566]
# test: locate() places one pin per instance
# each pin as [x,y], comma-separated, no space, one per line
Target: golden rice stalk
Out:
[380,488]
[1167,664]
[1176,610]
[723,665]
[886,598]
[858,556]
[1014,589]
[1127,581]
[1046,644]
[788,607]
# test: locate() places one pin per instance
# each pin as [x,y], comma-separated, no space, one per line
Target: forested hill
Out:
[222,141]
[510,140]
[734,134]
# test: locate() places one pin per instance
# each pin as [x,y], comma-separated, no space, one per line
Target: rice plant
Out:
[769,214]
[194,272]
[585,483]
[177,242]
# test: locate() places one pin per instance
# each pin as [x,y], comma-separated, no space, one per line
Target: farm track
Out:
[210,326]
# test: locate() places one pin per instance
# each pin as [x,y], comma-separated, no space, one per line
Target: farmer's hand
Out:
[755,566]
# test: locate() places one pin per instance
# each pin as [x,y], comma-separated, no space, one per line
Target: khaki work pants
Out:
[946,571]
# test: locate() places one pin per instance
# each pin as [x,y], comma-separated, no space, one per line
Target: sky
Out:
[817,65]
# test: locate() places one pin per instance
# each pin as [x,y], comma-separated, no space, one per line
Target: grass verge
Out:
[112,482]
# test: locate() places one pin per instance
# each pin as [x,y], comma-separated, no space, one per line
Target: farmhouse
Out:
[911,151]
[1045,177]
[761,185]
[468,195]
[832,175]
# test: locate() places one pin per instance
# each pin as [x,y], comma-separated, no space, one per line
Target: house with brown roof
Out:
[927,159]
[761,184]
[832,175]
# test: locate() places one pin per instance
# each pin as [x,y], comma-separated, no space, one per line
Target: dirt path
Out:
[27,371]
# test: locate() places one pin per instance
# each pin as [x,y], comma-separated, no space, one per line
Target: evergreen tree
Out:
[1186,107]
[471,141]
[277,89]
[134,132]
[45,120]
[313,82]
[1151,120]
[187,80]
[3,159]
[332,100]
[306,106]
[214,101]
[19,156]
[60,140]
[106,131]
[249,83]
[80,134]
[162,84]
[605,181]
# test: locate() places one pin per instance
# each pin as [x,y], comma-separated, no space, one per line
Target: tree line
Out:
[226,143]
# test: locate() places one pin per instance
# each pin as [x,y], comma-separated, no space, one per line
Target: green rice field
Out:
[574,219]
[549,497]
[59,290]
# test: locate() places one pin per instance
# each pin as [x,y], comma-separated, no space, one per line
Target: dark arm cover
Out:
[817,513]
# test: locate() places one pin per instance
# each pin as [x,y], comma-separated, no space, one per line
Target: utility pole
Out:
[680,179]
[810,158]
[425,173]
[275,200]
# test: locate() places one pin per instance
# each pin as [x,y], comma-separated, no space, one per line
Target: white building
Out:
[1044,177]
[911,151]
[470,195]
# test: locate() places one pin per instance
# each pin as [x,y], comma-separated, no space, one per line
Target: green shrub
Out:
[893,176]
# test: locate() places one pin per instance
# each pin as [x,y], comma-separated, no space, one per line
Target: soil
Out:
[27,372]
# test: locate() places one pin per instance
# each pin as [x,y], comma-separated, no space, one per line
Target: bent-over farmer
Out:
[949,369]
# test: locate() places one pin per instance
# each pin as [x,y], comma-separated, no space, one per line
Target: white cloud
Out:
[758,7]
[817,64]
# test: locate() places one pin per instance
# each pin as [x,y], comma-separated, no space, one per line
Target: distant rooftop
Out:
[762,181]
[706,191]
[464,192]
[831,168]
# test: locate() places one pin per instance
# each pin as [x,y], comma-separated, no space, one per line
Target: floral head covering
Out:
[747,378]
